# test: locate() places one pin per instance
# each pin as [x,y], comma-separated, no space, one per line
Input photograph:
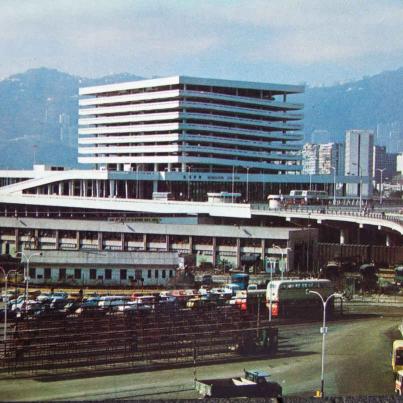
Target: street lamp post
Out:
[282,259]
[6,300]
[284,262]
[358,165]
[323,330]
[272,261]
[26,271]
[334,185]
[381,189]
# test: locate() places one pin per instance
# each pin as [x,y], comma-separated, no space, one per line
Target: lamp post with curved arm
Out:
[6,300]
[334,185]
[283,262]
[323,330]
[26,271]
[381,188]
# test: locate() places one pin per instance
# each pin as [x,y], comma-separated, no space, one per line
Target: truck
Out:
[397,356]
[254,383]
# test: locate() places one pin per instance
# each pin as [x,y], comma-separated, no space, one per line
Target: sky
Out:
[316,42]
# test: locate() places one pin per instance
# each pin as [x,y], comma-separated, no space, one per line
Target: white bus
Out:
[308,197]
[290,298]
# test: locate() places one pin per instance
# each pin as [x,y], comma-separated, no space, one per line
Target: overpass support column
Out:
[100,241]
[111,188]
[214,251]
[238,252]
[155,186]
[17,239]
[122,241]
[343,236]
[263,246]
[57,239]
[78,240]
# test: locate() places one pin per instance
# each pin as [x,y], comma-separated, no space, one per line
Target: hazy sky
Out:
[289,41]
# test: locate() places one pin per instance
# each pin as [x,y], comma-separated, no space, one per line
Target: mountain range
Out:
[39,112]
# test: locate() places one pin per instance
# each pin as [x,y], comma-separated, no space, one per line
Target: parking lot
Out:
[357,363]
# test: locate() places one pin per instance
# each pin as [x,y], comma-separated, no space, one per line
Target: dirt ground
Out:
[357,362]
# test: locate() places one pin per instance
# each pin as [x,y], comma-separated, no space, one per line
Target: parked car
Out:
[44,297]
[58,303]
[132,306]
[59,295]
[113,301]
[7,297]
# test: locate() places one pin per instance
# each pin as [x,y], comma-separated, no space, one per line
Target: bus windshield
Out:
[240,279]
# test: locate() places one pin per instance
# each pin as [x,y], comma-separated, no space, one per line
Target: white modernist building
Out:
[202,128]
[172,123]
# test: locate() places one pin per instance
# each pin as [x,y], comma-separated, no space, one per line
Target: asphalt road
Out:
[357,363]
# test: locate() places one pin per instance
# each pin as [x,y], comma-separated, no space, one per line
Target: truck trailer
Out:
[254,383]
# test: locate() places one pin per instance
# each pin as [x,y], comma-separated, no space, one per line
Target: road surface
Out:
[357,363]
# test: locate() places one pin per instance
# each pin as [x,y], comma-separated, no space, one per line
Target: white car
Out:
[113,301]
[21,305]
[44,297]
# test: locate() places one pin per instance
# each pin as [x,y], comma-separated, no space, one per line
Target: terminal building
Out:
[157,149]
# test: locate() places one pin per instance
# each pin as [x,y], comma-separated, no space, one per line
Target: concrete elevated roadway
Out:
[391,220]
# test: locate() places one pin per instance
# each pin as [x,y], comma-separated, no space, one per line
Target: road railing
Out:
[332,211]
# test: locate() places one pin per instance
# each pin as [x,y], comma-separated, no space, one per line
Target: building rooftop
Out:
[279,88]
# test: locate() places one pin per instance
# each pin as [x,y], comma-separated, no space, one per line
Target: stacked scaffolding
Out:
[116,340]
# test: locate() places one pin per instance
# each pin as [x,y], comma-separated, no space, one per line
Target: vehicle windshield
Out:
[399,357]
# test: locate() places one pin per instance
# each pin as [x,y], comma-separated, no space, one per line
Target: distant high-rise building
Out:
[318,159]
[310,159]
[359,159]
[331,155]
[383,161]
[390,135]
[399,164]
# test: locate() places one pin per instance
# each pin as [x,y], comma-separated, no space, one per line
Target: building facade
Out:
[359,160]
[310,159]
[190,128]
[385,163]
